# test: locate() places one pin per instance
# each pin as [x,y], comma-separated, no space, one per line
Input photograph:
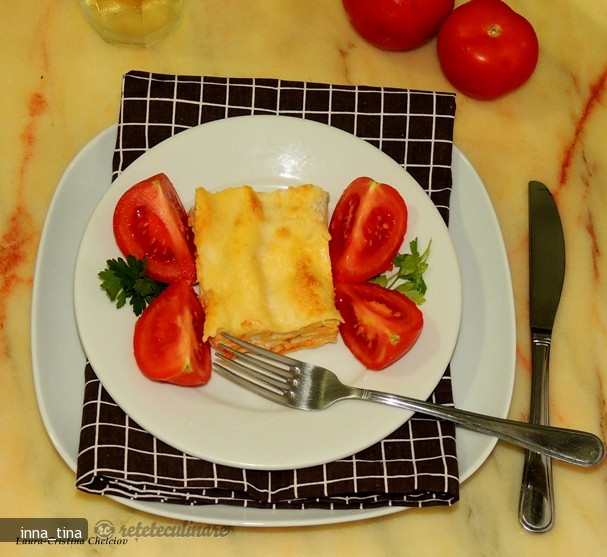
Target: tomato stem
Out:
[494,30]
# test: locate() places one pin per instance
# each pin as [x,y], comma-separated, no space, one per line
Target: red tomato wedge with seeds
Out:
[367,230]
[380,325]
[168,342]
[150,222]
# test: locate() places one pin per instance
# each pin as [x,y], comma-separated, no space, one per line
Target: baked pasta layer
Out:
[263,266]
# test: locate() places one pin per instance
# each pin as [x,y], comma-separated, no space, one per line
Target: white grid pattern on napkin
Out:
[168,475]
[415,466]
[382,116]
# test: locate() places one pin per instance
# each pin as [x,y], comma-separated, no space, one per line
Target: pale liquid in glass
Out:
[136,22]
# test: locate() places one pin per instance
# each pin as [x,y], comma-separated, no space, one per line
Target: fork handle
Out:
[575,447]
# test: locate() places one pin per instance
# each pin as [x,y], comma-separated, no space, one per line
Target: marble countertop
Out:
[61,87]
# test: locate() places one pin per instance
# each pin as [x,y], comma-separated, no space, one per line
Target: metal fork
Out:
[301,385]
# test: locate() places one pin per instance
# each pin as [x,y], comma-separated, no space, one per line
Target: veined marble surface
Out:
[60,87]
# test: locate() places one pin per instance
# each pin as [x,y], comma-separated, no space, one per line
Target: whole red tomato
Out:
[397,24]
[486,49]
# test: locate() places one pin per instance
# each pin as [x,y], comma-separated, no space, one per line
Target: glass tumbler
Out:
[132,22]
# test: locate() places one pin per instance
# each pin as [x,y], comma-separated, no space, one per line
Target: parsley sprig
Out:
[409,279]
[127,280]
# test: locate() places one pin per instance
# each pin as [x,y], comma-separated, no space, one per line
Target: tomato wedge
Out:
[367,229]
[380,325]
[150,221]
[168,342]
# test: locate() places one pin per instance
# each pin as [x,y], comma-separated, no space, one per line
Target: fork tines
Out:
[268,354]
[258,370]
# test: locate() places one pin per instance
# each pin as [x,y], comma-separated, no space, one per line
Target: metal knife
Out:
[546,276]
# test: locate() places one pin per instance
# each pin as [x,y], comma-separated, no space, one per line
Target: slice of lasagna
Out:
[263,266]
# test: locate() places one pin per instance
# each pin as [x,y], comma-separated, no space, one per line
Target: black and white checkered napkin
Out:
[417,464]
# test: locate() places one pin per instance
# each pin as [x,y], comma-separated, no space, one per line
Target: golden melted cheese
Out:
[263,266]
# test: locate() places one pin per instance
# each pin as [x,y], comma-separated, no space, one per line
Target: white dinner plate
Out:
[220,422]
[482,364]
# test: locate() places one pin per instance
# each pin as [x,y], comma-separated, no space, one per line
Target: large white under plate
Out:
[482,364]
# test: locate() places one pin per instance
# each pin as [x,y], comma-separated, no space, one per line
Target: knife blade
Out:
[546,277]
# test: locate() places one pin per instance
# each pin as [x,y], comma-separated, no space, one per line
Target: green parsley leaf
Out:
[127,280]
[409,279]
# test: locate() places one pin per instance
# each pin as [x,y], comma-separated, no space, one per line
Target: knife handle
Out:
[536,502]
